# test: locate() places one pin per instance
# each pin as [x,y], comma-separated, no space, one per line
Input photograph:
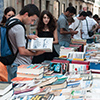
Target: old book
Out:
[45,44]
[28,85]
[31,69]
[58,84]
[64,51]
[48,81]
[76,56]
[36,97]
[35,76]
[77,67]
[25,90]
[5,87]
[21,80]
[7,96]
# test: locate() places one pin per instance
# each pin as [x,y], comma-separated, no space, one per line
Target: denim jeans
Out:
[64,43]
[12,71]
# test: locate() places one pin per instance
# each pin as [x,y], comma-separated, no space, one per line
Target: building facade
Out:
[56,7]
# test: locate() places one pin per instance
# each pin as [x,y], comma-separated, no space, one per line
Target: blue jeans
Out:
[64,43]
[12,71]
[90,40]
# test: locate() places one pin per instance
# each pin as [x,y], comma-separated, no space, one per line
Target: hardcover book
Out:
[45,44]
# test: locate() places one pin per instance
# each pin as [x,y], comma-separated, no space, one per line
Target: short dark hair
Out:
[96,16]
[89,13]
[71,20]
[31,9]
[71,9]
[83,13]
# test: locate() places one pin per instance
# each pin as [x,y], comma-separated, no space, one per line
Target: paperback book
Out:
[31,69]
[5,87]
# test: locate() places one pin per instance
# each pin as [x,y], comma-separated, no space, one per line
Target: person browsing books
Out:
[77,25]
[47,27]
[64,33]
[16,35]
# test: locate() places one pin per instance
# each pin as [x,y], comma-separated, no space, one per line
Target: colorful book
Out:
[58,84]
[48,81]
[31,69]
[21,79]
[77,67]
[35,76]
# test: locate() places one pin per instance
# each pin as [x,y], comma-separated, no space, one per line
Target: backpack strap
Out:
[9,26]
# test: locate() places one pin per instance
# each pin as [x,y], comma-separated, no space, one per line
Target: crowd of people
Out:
[62,31]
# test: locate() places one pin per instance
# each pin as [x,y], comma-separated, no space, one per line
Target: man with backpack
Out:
[16,36]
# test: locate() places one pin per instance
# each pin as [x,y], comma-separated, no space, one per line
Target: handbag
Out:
[90,33]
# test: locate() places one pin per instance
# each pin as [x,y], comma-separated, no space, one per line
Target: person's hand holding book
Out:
[32,37]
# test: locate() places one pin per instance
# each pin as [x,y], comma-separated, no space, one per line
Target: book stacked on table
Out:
[65,50]
[78,41]
[54,83]
[6,90]
[35,97]
[31,71]
[76,56]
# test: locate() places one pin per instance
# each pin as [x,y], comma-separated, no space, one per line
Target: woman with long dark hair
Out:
[47,27]
[8,12]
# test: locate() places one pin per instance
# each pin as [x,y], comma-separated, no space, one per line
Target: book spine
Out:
[25,90]
[30,66]
[35,67]
[39,67]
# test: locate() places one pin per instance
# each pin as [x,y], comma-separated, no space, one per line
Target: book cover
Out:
[77,67]
[36,97]
[25,90]
[48,81]
[31,69]
[35,76]
[21,79]
[58,84]
[45,44]
[7,96]
[5,87]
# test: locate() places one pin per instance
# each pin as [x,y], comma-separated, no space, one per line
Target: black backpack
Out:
[7,55]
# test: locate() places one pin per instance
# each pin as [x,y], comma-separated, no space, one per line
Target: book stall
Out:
[74,75]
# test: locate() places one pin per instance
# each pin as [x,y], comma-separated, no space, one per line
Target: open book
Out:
[45,44]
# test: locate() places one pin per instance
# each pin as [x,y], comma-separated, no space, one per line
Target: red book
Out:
[21,79]
[25,90]
[80,46]
[60,61]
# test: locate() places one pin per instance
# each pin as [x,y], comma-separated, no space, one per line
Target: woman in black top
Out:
[47,27]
